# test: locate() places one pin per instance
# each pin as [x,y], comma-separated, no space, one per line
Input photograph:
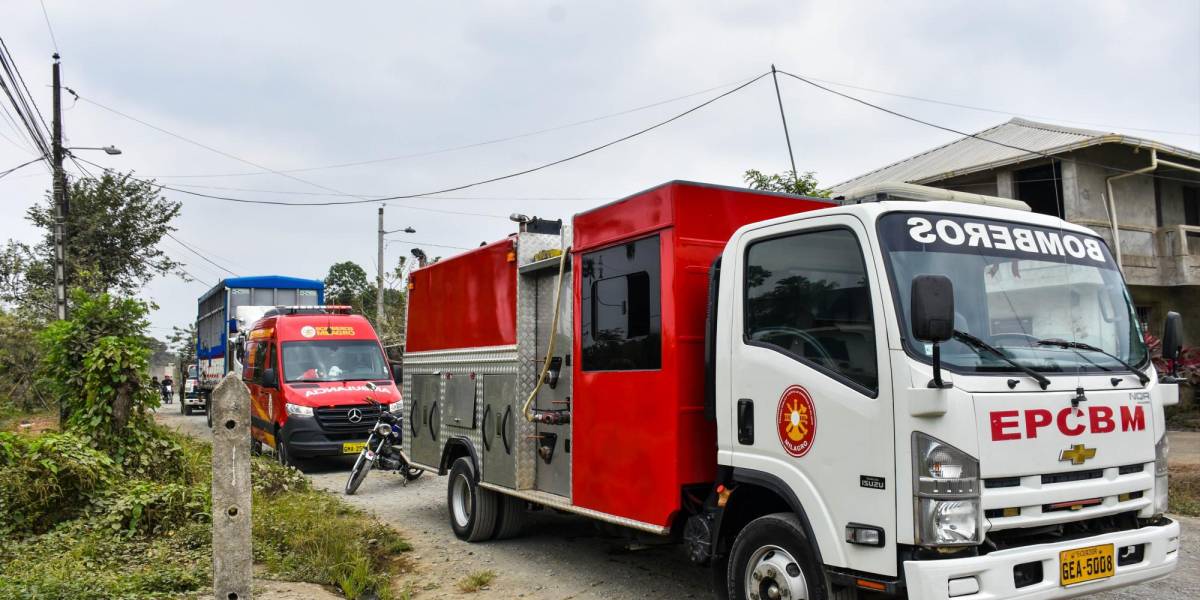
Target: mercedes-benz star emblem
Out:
[354,416]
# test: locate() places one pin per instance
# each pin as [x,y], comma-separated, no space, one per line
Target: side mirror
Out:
[932,318]
[269,378]
[1172,338]
[932,308]
[397,373]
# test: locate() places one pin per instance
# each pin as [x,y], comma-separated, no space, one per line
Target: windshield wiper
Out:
[1142,377]
[979,344]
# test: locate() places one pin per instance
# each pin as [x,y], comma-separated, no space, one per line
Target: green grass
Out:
[476,581]
[73,525]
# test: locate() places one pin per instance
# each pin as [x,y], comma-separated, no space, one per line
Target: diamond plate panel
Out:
[462,362]
[528,245]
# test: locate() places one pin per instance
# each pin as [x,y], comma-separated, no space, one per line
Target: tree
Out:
[113,230]
[787,182]
[183,342]
[347,284]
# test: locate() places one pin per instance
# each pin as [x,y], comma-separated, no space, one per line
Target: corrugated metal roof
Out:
[971,154]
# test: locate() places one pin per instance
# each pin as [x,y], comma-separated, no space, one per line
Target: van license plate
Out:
[356,447]
[1085,564]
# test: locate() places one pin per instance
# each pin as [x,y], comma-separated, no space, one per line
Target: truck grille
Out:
[337,418]
[1046,499]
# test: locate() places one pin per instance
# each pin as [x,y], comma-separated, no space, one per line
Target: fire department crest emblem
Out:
[796,421]
[308,331]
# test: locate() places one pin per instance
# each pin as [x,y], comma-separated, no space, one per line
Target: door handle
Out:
[745,422]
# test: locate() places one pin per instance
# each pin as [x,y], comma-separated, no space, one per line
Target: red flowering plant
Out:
[1187,364]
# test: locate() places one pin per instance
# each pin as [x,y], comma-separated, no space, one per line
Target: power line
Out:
[464,186]
[994,110]
[38,159]
[299,193]
[49,28]
[412,243]
[197,253]
[979,137]
[12,84]
[459,147]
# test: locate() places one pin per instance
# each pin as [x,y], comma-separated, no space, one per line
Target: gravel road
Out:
[562,556]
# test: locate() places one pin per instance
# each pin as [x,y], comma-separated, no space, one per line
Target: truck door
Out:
[811,402]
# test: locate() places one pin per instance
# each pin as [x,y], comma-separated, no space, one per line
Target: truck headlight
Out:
[299,411]
[1162,451]
[946,486]
[394,408]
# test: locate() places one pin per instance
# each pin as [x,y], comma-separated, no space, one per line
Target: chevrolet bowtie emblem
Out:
[1077,454]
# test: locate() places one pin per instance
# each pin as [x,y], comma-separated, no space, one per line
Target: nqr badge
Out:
[797,421]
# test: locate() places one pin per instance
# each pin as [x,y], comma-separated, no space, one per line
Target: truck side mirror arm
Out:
[932,318]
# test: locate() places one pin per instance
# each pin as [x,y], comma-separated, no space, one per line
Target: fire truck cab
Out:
[908,390]
[307,368]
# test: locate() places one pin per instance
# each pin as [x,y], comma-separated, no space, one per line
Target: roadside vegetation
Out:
[114,506]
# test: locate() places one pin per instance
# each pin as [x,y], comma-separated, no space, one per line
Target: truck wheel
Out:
[208,409]
[472,508]
[183,408]
[772,559]
[511,517]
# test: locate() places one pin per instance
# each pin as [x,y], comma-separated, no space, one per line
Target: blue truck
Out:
[234,304]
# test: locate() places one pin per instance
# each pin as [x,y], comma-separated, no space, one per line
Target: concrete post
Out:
[232,558]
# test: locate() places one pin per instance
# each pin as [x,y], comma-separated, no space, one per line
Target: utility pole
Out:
[379,279]
[61,206]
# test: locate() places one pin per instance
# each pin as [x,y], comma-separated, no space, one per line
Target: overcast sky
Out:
[294,85]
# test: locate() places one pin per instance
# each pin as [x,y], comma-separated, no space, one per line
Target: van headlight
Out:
[1162,451]
[946,490]
[299,411]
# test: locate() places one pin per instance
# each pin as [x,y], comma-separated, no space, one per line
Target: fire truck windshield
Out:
[1049,299]
[333,360]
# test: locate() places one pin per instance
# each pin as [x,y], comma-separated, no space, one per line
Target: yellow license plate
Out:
[1085,564]
[356,447]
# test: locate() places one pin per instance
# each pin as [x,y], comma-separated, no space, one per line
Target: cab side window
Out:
[807,296]
[621,307]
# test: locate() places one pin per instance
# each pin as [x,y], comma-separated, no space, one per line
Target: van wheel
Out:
[772,559]
[281,453]
[511,518]
[472,508]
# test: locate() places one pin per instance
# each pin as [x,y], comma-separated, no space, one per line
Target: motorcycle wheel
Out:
[359,473]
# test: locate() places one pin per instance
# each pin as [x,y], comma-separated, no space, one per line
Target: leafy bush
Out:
[149,507]
[47,479]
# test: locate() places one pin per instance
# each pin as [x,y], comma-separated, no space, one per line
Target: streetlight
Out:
[109,150]
[405,230]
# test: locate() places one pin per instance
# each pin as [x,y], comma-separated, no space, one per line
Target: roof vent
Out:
[880,192]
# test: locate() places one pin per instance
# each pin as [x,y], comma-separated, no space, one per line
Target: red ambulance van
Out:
[307,369]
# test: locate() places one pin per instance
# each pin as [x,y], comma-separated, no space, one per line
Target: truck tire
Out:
[183,408]
[511,518]
[772,558]
[208,409]
[472,508]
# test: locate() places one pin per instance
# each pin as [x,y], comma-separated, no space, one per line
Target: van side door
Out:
[811,398]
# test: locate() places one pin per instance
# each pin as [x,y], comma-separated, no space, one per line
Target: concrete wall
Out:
[1184,299]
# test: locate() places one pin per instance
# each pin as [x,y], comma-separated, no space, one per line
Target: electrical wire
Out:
[405,242]
[49,28]
[464,186]
[995,110]
[454,148]
[38,159]
[202,256]
[977,136]
[11,67]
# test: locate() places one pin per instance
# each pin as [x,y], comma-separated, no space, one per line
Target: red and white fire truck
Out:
[906,390]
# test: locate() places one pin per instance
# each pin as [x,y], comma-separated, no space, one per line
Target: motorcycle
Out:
[382,450]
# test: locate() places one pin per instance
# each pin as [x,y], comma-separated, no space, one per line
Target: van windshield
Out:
[333,360]
[1050,299]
